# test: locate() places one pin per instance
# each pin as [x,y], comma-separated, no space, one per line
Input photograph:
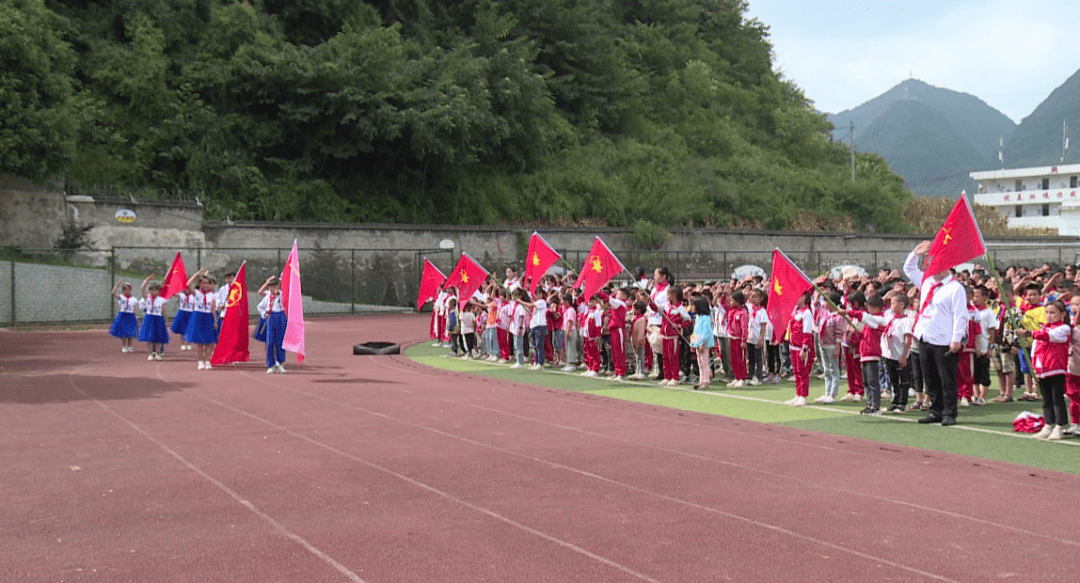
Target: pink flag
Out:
[294,305]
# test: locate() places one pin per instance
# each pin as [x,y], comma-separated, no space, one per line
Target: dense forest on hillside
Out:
[636,112]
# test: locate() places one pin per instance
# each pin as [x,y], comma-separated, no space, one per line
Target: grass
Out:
[983,432]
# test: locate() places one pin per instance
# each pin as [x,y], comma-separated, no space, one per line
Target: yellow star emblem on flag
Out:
[597,266]
[234,295]
[777,288]
[464,276]
[536,258]
[945,241]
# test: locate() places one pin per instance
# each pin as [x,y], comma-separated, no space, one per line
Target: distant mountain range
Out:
[933,137]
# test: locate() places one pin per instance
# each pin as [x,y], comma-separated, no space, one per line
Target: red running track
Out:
[378,469]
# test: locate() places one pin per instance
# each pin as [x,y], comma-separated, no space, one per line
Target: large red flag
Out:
[958,241]
[232,343]
[429,283]
[467,277]
[293,301]
[788,283]
[599,268]
[176,279]
[539,259]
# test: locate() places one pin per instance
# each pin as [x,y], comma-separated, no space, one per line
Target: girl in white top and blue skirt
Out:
[126,325]
[260,329]
[200,330]
[276,322]
[182,317]
[153,328]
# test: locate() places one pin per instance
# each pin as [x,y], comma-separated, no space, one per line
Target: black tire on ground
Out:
[376,348]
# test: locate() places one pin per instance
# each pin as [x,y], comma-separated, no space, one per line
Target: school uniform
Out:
[801,340]
[260,328]
[153,328]
[670,331]
[897,331]
[125,325]
[870,328]
[738,323]
[502,324]
[964,377]
[1050,359]
[201,328]
[617,329]
[183,313]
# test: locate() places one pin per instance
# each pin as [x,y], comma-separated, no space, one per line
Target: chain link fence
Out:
[64,286]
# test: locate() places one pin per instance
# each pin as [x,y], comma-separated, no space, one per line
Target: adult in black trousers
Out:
[940,326]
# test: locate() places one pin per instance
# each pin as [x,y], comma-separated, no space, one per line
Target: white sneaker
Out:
[271,370]
[856,398]
[1056,434]
[753,382]
[636,376]
[791,401]
[1044,433]
[466,357]
[980,401]
[436,345]
[617,378]
[151,357]
[446,346]
[964,402]
[202,365]
[738,384]
[568,368]
[827,400]
[911,393]
[800,402]
[517,365]
[280,368]
[208,367]
[848,397]
[1073,429]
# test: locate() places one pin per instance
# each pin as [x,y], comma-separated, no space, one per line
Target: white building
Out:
[1045,197]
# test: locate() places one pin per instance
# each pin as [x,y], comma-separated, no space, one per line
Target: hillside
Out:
[475,112]
[1037,140]
[935,155]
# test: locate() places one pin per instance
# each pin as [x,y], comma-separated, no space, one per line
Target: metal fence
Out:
[63,286]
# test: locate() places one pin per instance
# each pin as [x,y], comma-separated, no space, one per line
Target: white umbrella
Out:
[747,270]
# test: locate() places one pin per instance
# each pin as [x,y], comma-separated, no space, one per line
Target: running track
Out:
[378,469]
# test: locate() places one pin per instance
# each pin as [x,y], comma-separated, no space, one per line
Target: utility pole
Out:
[853,151]
[1064,140]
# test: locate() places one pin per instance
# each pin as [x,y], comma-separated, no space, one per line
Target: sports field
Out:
[380,469]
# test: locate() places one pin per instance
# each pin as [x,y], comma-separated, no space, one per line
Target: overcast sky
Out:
[1009,53]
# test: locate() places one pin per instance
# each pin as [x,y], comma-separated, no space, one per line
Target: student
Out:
[518,326]
[965,380]
[491,330]
[439,309]
[502,327]
[1030,303]
[988,324]
[830,333]
[702,340]
[1050,361]
[738,327]
[658,297]
[223,297]
[800,332]
[468,330]
[673,316]
[153,331]
[638,341]
[617,308]
[870,324]
[570,330]
[896,350]
[276,322]
[453,324]
[182,317]
[723,347]
[1072,380]
[537,328]
[756,336]
[592,322]
[125,326]
[260,328]
[201,330]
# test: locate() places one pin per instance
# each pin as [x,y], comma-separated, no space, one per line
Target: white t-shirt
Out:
[757,318]
[569,318]
[468,323]
[539,315]
[892,339]
[988,321]
[517,319]
[127,304]
[152,306]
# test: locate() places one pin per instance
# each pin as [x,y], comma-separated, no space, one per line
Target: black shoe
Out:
[932,418]
[866,411]
[893,408]
[947,421]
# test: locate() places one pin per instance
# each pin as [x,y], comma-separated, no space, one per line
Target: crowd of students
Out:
[201,307]
[854,332]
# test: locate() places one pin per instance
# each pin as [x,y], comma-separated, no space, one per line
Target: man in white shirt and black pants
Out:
[940,326]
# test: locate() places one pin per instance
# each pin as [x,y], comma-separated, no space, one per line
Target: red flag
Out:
[232,343]
[429,283]
[293,301]
[539,258]
[788,283]
[599,268]
[467,277]
[958,241]
[176,280]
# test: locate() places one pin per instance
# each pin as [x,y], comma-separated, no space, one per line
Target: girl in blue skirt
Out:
[276,321]
[182,317]
[153,329]
[126,325]
[260,329]
[200,330]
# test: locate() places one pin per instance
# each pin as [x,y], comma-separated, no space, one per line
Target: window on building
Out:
[1019,211]
[1046,210]
[1072,182]
[1019,185]
[1046,184]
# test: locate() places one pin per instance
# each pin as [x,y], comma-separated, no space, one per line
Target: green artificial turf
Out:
[982,432]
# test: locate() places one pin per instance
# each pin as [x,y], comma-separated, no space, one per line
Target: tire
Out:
[376,348]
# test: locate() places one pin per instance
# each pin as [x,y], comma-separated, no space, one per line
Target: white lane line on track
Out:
[570,469]
[280,528]
[433,490]
[600,405]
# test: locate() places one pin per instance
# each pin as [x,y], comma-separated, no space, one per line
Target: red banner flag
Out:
[958,241]
[292,300]
[599,268]
[788,282]
[429,283]
[176,279]
[538,260]
[467,277]
[232,343]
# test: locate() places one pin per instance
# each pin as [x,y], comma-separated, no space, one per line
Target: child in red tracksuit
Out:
[674,314]
[1050,359]
[616,304]
[590,324]
[801,341]
[965,376]
[1072,380]
[738,330]
[871,324]
[851,340]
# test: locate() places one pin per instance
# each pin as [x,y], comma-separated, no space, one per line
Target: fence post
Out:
[352,281]
[13,292]
[112,274]
[198,258]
